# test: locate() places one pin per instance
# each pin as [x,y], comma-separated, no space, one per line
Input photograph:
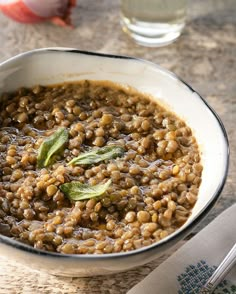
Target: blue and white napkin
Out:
[188,269]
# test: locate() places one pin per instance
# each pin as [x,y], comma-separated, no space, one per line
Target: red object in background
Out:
[33,11]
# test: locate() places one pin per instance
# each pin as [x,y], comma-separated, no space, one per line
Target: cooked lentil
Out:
[154,184]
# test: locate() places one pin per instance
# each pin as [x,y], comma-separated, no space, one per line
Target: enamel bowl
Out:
[55,65]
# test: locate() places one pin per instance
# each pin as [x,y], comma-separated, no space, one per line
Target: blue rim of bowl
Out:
[171,238]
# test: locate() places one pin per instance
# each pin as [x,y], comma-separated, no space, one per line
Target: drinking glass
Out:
[153,22]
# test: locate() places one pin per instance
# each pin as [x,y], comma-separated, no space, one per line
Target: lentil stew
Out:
[131,197]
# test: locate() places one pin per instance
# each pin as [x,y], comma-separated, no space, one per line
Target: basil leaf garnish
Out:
[77,191]
[51,146]
[99,154]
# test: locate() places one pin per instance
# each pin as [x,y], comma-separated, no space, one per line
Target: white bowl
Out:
[55,65]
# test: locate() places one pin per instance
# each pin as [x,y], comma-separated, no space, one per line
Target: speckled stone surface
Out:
[204,56]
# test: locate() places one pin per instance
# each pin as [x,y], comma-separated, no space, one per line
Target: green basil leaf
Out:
[77,191]
[99,154]
[50,146]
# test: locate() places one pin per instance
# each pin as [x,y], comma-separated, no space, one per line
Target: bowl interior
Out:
[55,66]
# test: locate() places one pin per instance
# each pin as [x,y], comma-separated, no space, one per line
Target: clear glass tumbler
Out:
[153,22]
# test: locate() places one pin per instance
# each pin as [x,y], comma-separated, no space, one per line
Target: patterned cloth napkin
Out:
[188,269]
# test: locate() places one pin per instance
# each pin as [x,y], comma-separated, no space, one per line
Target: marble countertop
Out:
[204,56]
